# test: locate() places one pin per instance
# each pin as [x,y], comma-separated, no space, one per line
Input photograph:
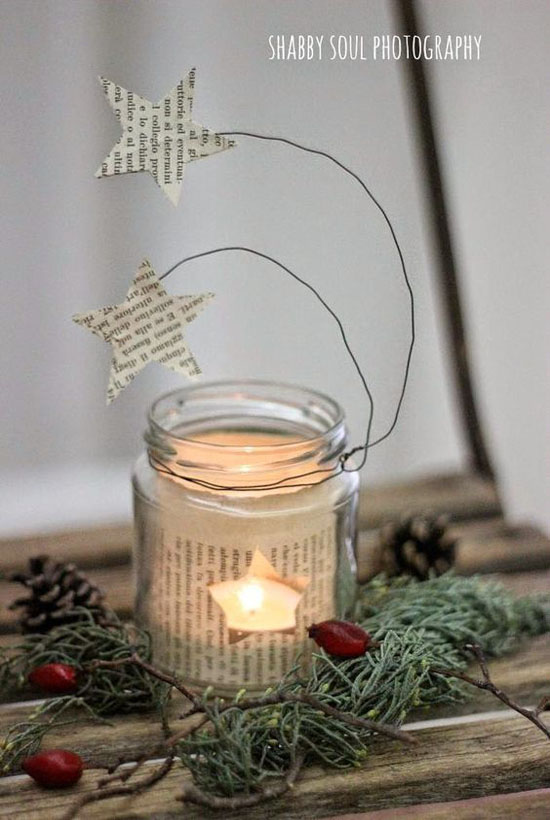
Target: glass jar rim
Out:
[335,413]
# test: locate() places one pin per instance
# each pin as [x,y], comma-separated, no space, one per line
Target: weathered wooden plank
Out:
[533,805]
[525,675]
[92,546]
[101,744]
[501,548]
[527,583]
[461,496]
[451,762]
[415,777]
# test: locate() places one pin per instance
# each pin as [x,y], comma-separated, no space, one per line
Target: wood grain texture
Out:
[527,583]
[450,762]
[103,546]
[468,759]
[533,805]
[461,496]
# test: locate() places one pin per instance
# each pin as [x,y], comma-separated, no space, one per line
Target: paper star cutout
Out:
[158,137]
[148,326]
[260,601]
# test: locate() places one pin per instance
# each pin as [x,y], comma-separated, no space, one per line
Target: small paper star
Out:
[148,326]
[259,601]
[158,137]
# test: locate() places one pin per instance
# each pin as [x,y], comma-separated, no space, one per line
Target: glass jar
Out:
[233,558]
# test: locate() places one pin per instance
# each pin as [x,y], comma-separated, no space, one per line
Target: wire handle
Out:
[367,444]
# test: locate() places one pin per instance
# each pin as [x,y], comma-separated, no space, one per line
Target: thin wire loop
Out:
[406,279]
[363,448]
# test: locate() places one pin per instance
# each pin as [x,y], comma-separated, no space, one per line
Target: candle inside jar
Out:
[255,604]
[241,543]
[251,596]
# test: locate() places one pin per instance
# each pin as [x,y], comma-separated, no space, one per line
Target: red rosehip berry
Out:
[54,768]
[341,639]
[57,678]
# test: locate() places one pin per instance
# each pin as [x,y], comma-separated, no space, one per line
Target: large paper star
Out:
[158,137]
[260,601]
[148,326]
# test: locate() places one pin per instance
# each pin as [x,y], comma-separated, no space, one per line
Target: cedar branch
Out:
[192,794]
[199,707]
[298,697]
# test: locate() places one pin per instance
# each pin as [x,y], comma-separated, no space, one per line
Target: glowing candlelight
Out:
[251,596]
[261,601]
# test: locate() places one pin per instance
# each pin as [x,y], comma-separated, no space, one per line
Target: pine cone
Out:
[419,546]
[56,589]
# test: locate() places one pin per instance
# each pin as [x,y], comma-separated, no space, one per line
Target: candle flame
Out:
[251,596]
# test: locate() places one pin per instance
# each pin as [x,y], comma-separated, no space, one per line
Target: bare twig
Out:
[122,774]
[489,686]
[543,704]
[121,790]
[187,730]
[192,794]
[135,660]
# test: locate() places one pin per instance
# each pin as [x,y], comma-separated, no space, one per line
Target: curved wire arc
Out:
[345,456]
[381,209]
[363,448]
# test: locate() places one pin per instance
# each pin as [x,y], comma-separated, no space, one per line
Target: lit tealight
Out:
[250,596]
[260,601]
[254,604]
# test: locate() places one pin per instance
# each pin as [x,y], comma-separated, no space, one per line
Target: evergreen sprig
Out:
[421,626]
[108,691]
[241,747]
[452,611]
[239,751]
[23,739]
[101,692]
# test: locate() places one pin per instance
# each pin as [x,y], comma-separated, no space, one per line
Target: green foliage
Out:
[422,625]
[242,747]
[123,689]
[385,684]
[23,739]
[126,688]
[452,611]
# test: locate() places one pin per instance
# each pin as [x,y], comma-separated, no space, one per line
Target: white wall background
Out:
[71,242]
[495,137]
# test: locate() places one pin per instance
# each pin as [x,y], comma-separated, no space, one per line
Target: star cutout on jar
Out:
[158,137]
[148,326]
[260,601]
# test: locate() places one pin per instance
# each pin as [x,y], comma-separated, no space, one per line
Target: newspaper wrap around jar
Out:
[228,580]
